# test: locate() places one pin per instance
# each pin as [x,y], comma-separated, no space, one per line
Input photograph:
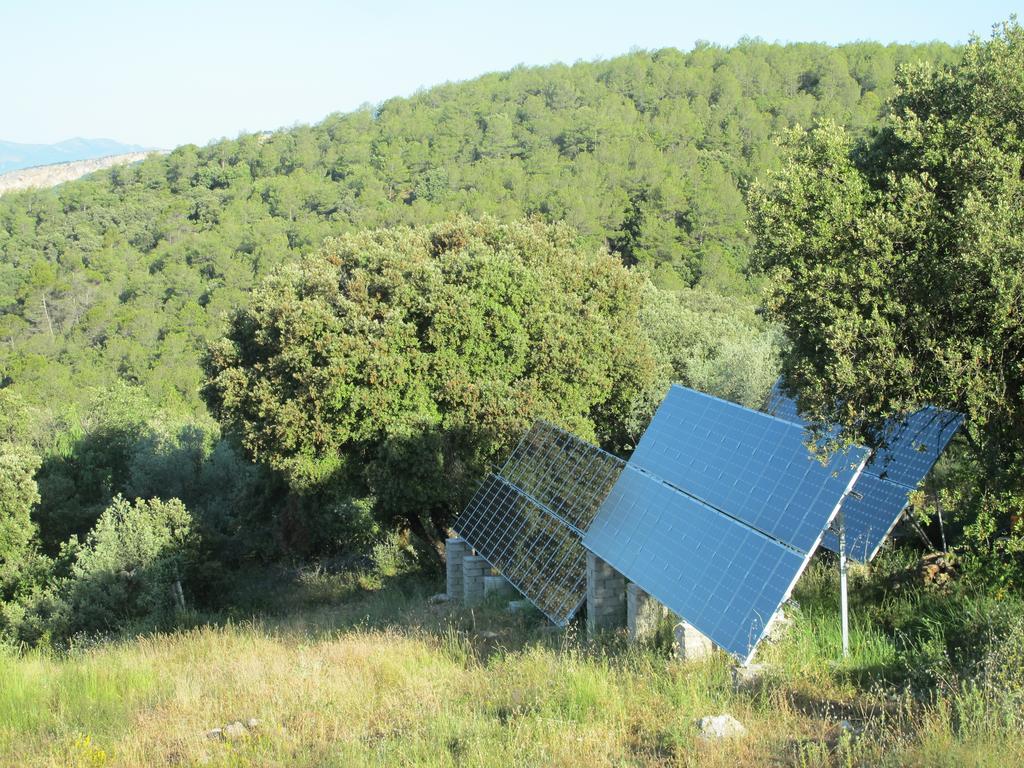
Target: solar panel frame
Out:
[548,490]
[566,475]
[538,554]
[694,443]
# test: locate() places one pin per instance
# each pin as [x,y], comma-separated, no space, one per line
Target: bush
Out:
[18,494]
[131,568]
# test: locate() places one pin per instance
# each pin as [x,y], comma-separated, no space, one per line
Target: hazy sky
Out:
[168,73]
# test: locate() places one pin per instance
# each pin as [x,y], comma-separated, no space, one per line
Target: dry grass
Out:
[383,679]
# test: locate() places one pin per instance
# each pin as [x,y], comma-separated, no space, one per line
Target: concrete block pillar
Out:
[499,585]
[454,550]
[606,596]
[474,569]
[644,614]
[689,644]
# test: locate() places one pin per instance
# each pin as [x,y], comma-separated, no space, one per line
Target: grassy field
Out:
[358,669]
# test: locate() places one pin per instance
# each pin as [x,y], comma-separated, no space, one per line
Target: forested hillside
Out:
[128,274]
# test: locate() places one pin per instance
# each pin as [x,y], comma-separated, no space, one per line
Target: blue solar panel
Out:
[781,406]
[720,575]
[751,466]
[909,451]
[869,519]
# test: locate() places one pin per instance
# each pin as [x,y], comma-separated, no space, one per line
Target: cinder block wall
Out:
[474,569]
[644,614]
[606,596]
[455,549]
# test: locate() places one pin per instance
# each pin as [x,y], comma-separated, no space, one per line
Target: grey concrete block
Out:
[644,614]
[689,644]
[606,596]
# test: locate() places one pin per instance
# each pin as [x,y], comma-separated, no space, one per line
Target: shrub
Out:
[130,568]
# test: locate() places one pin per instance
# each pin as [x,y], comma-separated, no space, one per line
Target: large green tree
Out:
[897,262]
[400,362]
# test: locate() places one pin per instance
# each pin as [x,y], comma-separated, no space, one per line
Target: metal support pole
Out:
[844,608]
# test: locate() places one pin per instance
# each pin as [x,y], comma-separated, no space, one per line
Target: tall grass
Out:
[362,671]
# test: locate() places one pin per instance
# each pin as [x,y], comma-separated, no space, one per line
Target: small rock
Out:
[847,727]
[252,724]
[217,734]
[720,727]
[439,598]
[487,634]
[234,731]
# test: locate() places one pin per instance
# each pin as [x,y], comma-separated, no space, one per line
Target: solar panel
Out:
[566,475]
[748,465]
[542,557]
[719,574]
[781,406]
[869,519]
[909,451]
[528,519]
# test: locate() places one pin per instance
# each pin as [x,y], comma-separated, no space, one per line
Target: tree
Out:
[400,363]
[897,261]
[18,494]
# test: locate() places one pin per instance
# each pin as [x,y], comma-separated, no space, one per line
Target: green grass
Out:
[358,669]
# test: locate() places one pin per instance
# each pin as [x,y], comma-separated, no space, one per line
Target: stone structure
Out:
[688,644]
[455,550]
[474,569]
[498,585]
[606,596]
[644,614]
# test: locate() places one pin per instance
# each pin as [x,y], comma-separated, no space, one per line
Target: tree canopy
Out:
[897,260]
[400,362]
[128,274]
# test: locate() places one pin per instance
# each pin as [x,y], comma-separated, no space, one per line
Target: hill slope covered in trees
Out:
[129,274]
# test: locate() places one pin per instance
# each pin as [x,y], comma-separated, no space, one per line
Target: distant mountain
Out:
[15,156]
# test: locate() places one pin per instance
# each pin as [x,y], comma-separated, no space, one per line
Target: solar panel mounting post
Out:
[843,604]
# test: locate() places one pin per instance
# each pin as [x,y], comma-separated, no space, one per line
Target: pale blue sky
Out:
[167,73]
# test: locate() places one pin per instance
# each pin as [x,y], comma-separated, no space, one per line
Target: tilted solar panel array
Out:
[909,452]
[718,513]
[720,575]
[527,520]
[738,461]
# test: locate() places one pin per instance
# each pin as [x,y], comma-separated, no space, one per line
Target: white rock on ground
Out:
[720,727]
[235,730]
[439,598]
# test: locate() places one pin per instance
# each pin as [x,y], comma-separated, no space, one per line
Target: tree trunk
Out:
[433,541]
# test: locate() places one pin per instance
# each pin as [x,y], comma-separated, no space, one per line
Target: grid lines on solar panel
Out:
[566,475]
[720,575]
[781,406]
[541,556]
[909,451]
[748,465]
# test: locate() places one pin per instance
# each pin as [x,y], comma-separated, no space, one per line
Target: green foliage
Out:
[126,572]
[400,362]
[18,494]
[713,343]
[128,274]
[897,263]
